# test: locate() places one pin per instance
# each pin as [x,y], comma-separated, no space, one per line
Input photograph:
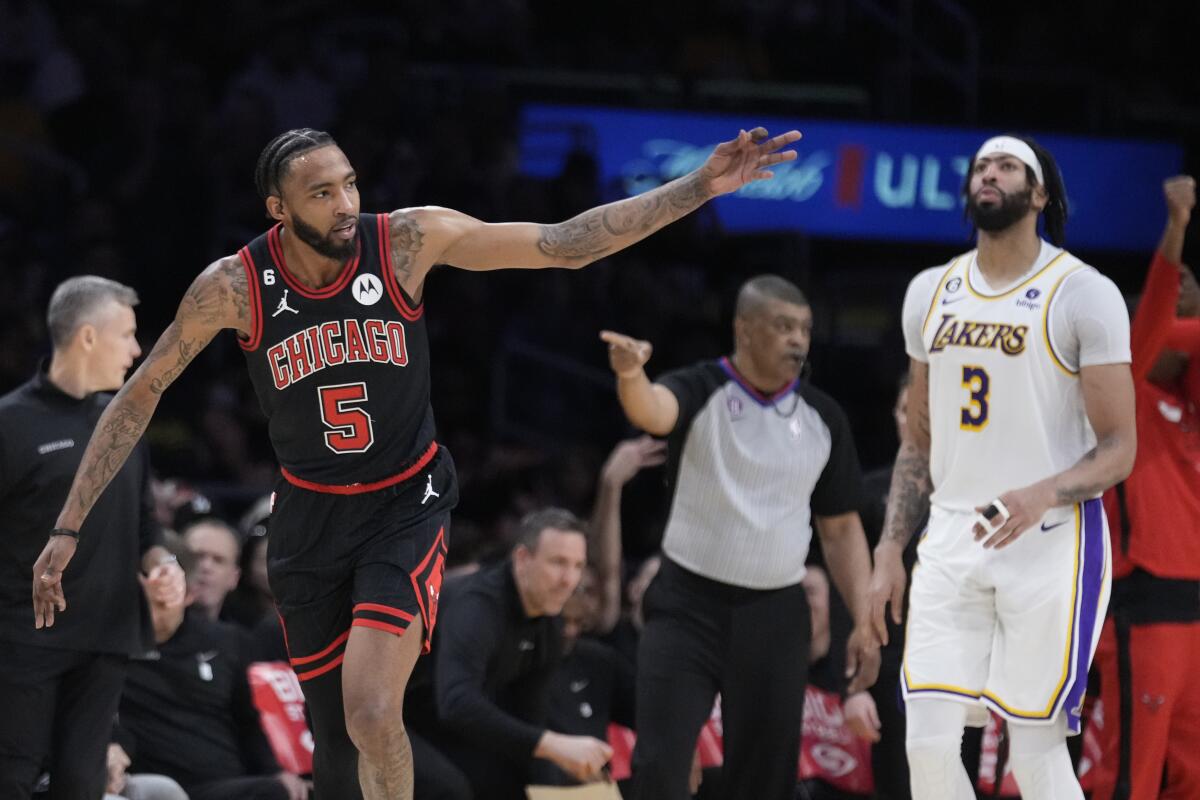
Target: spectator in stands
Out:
[251,604]
[499,642]
[251,600]
[605,550]
[594,683]
[186,712]
[592,686]
[123,786]
[1151,720]
[145,786]
[214,547]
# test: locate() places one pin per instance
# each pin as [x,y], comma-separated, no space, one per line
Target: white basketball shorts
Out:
[1012,629]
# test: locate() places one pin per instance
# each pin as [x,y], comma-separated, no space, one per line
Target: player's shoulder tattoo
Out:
[220,296]
[406,240]
[239,287]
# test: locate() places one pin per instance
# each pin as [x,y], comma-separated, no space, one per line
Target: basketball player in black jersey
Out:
[327,306]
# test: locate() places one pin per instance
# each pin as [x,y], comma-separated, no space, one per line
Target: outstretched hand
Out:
[631,456]
[746,159]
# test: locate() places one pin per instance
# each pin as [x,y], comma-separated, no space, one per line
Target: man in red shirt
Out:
[1151,700]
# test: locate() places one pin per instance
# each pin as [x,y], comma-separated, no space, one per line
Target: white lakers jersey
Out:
[1005,402]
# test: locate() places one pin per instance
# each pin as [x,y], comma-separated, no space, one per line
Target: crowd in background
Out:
[129,129]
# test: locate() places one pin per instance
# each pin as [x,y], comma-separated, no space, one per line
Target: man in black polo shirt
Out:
[499,642]
[59,686]
[757,456]
[187,712]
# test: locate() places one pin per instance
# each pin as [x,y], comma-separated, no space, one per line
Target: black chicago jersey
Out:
[341,372]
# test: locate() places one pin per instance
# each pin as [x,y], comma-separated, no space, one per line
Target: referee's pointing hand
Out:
[626,355]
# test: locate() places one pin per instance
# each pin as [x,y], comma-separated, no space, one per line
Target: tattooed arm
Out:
[908,496]
[423,237]
[907,503]
[217,299]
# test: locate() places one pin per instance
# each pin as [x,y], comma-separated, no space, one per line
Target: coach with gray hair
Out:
[758,458]
[59,686]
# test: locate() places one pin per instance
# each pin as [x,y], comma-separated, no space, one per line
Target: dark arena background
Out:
[129,131]
[129,134]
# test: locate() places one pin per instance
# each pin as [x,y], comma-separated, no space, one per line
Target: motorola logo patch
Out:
[367,289]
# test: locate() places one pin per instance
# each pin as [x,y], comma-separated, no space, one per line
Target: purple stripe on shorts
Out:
[1092,543]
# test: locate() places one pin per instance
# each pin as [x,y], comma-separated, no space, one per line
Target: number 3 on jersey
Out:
[975,414]
[341,411]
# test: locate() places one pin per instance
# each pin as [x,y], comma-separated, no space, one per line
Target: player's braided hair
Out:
[1054,215]
[273,161]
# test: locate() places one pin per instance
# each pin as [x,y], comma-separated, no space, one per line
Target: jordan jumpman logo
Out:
[283,306]
[429,492]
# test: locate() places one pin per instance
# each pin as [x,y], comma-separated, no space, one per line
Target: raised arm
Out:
[217,299]
[908,500]
[626,460]
[1180,194]
[422,237]
[1151,325]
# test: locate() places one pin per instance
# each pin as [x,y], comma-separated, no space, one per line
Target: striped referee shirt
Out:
[748,472]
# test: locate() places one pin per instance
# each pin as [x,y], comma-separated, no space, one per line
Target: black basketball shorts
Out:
[375,560]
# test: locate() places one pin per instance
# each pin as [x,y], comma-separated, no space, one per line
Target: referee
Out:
[756,456]
[59,685]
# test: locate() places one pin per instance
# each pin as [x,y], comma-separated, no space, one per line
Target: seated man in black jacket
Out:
[592,686]
[186,712]
[483,696]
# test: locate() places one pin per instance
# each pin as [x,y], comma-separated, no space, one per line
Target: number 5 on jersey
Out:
[341,411]
[975,414]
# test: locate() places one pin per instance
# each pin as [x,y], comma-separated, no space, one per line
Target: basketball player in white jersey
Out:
[1021,412]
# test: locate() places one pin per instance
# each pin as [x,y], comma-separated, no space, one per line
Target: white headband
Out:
[1007,145]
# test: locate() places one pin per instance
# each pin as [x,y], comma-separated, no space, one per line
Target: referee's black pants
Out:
[702,638]
[56,712]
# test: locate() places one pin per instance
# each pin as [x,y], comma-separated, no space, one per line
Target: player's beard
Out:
[1000,216]
[325,245]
